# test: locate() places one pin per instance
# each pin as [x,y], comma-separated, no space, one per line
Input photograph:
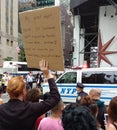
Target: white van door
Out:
[67,86]
[101,78]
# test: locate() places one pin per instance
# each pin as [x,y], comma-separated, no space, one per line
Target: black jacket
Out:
[19,115]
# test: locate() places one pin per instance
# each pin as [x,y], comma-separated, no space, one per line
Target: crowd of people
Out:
[29,78]
[32,110]
[17,114]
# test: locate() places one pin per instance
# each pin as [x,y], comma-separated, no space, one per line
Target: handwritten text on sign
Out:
[42,37]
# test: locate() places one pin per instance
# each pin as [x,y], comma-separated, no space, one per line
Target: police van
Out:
[102,78]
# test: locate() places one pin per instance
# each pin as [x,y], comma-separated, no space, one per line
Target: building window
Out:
[11,43]
[0,40]
[7,16]
[7,42]
[11,14]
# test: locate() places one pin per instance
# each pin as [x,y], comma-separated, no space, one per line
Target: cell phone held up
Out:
[106,118]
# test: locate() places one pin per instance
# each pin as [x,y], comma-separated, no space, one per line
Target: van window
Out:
[69,77]
[99,77]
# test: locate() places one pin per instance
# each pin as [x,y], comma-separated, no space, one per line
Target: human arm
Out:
[54,97]
[44,66]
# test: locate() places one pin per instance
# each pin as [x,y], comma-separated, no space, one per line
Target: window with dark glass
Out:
[22,67]
[99,77]
[42,3]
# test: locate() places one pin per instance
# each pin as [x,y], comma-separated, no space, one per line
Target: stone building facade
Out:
[8,29]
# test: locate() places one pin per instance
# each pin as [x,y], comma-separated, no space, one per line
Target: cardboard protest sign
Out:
[41,32]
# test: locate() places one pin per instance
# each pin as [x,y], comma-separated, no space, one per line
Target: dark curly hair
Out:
[76,117]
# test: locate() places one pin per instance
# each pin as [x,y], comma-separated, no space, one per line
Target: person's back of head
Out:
[33,95]
[58,108]
[95,93]
[56,112]
[112,109]
[78,118]
[15,87]
[91,104]
[45,96]
[86,101]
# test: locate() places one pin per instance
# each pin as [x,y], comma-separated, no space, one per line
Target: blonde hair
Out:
[58,106]
[15,87]
[95,92]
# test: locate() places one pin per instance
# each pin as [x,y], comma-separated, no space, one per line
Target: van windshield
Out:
[69,77]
